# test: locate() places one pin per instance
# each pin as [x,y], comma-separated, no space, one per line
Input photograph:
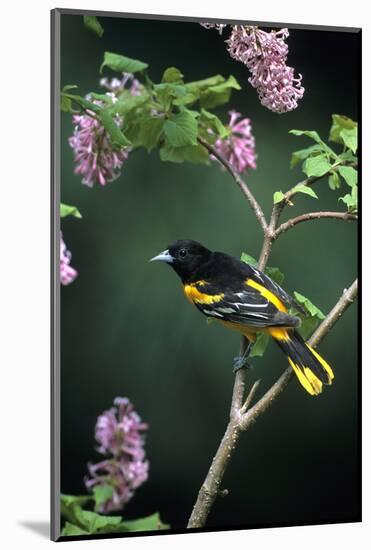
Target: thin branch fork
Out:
[346,216]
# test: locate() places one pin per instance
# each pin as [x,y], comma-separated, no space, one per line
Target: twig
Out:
[240,182]
[313,216]
[242,421]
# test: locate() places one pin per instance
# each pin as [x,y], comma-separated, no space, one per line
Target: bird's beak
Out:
[165,256]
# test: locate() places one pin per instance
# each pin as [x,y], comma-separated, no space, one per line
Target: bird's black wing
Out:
[245,307]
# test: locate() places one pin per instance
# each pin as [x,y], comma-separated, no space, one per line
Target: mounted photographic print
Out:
[204,286]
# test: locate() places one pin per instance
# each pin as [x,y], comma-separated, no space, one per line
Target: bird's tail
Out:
[310,368]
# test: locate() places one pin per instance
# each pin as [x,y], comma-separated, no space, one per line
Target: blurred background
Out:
[126,329]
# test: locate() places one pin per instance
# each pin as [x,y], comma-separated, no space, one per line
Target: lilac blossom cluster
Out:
[265,55]
[239,147]
[119,433]
[96,160]
[67,273]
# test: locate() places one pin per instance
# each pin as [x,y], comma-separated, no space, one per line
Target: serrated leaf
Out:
[350,138]
[302,154]
[219,94]
[118,139]
[67,210]
[122,64]
[316,166]
[349,174]
[92,23]
[172,75]
[101,494]
[261,343]
[71,530]
[340,122]
[181,129]
[334,181]
[278,197]
[301,188]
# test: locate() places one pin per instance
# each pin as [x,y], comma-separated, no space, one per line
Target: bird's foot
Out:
[240,362]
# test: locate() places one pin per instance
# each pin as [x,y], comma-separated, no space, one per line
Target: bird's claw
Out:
[240,362]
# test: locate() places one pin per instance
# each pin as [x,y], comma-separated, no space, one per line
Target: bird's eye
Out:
[182,252]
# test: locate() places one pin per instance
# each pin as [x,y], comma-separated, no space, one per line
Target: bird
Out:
[243,298]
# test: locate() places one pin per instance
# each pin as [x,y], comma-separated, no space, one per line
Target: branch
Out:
[241,421]
[240,182]
[313,216]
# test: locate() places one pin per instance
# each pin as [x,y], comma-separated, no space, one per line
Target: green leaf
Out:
[351,200]
[315,315]
[307,326]
[278,197]
[97,523]
[149,523]
[122,64]
[247,259]
[316,166]
[214,123]
[197,154]
[219,94]
[312,134]
[349,174]
[71,506]
[261,343]
[348,155]
[275,274]
[67,210]
[128,103]
[334,181]
[313,310]
[181,129]
[301,188]
[118,139]
[350,138]
[70,530]
[302,154]
[91,22]
[172,75]
[150,132]
[101,494]
[339,123]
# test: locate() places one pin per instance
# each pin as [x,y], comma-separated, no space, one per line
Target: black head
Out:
[185,257]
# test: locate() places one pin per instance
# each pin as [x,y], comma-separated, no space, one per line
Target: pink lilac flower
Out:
[239,147]
[67,273]
[96,160]
[265,55]
[120,434]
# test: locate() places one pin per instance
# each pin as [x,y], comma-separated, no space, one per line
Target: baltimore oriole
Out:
[244,298]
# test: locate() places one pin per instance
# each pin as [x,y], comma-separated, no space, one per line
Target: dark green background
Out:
[127,330]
